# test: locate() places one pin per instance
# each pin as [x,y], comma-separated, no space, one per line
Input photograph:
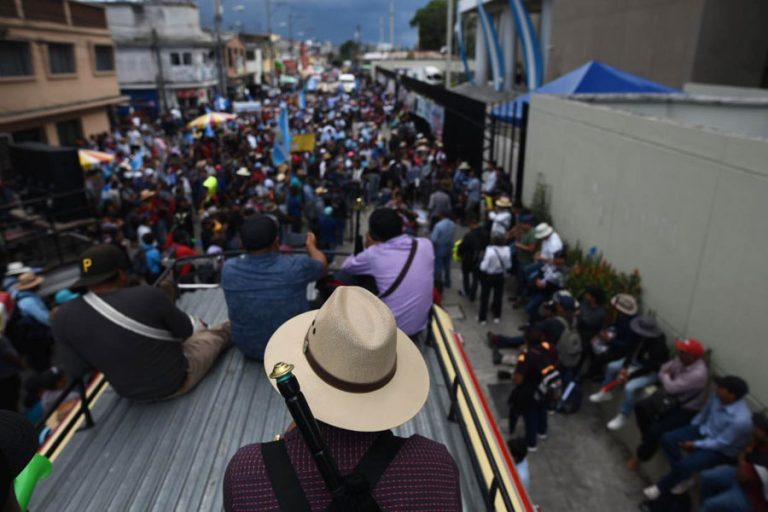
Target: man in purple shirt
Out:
[386,254]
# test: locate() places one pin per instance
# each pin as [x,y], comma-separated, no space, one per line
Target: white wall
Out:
[685,206]
[135,22]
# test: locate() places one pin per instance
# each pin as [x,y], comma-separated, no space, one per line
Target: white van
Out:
[348,82]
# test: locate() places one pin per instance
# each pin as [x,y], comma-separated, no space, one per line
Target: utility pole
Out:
[448,44]
[160,78]
[270,49]
[219,51]
[381,30]
[290,31]
[392,24]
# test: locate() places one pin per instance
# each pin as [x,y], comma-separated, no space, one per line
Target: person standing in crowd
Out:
[473,192]
[497,259]
[637,370]
[501,218]
[372,380]
[164,353]
[264,288]
[471,251]
[30,331]
[440,203]
[684,382]
[401,266]
[525,248]
[442,238]
[744,487]
[715,436]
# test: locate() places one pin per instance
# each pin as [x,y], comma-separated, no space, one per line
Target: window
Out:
[15,59]
[105,57]
[250,55]
[187,59]
[61,58]
[29,135]
[175,59]
[69,132]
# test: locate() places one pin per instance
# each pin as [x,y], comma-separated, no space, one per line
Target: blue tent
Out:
[592,78]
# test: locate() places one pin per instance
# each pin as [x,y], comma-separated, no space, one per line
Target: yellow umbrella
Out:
[89,158]
[211,118]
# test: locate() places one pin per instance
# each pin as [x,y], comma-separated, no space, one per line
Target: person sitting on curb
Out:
[616,341]
[715,436]
[683,380]
[361,377]
[744,487]
[145,346]
[636,371]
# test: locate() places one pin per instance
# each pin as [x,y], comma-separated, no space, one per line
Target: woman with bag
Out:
[497,259]
[682,394]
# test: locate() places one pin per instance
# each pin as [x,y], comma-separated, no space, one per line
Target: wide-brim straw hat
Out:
[543,230]
[503,202]
[357,370]
[28,280]
[464,166]
[15,268]
[625,303]
[243,172]
[146,194]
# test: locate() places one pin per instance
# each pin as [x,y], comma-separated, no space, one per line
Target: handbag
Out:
[660,403]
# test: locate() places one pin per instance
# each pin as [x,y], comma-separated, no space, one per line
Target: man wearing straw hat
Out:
[361,377]
[31,332]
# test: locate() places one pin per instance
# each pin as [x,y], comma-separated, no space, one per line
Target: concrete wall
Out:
[135,21]
[724,91]
[685,206]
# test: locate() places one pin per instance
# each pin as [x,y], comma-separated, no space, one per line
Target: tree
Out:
[431,22]
[348,50]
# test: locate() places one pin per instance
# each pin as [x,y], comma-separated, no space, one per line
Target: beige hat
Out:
[280,177]
[503,202]
[464,166]
[146,194]
[15,268]
[243,172]
[28,280]
[543,230]
[625,303]
[321,190]
[357,370]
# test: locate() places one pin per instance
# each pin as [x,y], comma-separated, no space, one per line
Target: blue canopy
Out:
[592,78]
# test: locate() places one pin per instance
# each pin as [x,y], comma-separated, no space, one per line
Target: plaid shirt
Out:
[423,475]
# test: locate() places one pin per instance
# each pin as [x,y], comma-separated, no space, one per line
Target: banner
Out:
[303,142]
[247,106]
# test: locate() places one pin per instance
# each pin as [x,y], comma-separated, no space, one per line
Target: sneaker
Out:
[532,449]
[543,437]
[617,423]
[683,486]
[652,492]
[600,396]
[461,292]
[482,322]
[496,320]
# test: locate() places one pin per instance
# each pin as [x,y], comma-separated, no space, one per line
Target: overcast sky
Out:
[333,20]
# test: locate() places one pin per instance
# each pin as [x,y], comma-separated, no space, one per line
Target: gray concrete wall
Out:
[685,206]
[725,91]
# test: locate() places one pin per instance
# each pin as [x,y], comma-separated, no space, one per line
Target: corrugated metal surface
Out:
[172,455]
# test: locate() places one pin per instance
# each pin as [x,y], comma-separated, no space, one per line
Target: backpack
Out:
[457,252]
[569,345]
[550,388]
[571,399]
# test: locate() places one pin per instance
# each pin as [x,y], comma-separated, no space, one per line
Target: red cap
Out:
[690,346]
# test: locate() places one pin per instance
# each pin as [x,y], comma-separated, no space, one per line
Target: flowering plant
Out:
[591,269]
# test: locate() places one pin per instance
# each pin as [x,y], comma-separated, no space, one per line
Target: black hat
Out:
[385,223]
[258,233]
[18,441]
[99,264]
[735,385]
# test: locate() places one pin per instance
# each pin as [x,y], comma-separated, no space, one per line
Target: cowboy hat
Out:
[625,303]
[503,202]
[281,177]
[15,268]
[243,172]
[321,190]
[646,326]
[146,194]
[464,166]
[543,230]
[28,280]
[357,370]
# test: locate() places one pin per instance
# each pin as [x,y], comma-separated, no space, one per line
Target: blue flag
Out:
[302,100]
[281,150]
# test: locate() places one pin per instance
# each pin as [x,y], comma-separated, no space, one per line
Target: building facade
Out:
[57,71]
[164,59]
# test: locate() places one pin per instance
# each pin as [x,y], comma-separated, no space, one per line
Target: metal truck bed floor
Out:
[172,455]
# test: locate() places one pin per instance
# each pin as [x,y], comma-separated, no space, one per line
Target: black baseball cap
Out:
[258,232]
[735,385]
[18,442]
[99,264]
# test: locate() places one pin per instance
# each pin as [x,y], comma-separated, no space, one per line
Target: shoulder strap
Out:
[379,456]
[285,481]
[116,317]
[403,272]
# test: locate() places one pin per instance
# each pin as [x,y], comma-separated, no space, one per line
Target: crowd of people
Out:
[174,192]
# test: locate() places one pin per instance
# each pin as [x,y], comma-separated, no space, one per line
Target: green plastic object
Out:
[24,485]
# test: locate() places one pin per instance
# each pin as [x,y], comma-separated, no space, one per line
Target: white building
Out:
[162,36]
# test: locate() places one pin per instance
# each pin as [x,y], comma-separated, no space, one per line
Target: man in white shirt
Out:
[551,243]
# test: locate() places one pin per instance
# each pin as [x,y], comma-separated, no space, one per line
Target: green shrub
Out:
[592,269]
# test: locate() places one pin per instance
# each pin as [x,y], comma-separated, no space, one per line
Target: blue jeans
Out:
[631,388]
[721,492]
[471,280]
[532,308]
[535,420]
[443,269]
[685,466]
[509,341]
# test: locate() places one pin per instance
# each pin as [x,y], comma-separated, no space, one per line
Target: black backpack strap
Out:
[403,272]
[378,457]
[285,481]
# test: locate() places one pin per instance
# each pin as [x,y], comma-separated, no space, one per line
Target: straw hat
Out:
[15,268]
[464,166]
[281,177]
[146,194]
[625,303]
[243,172]
[28,280]
[321,190]
[357,370]
[543,230]
[503,202]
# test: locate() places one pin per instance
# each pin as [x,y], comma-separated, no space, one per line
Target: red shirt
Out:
[423,475]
